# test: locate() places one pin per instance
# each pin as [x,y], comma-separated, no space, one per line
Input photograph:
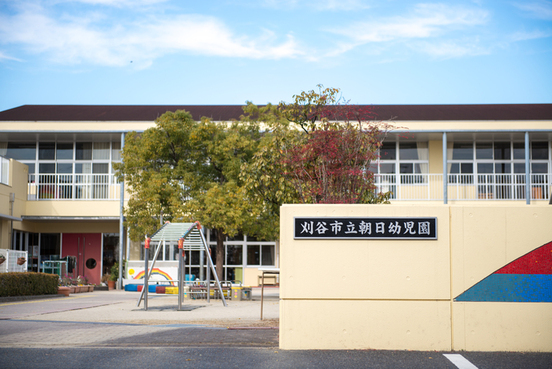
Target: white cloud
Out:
[428,21]
[524,36]
[113,3]
[450,49]
[340,5]
[321,5]
[541,9]
[72,39]
[7,57]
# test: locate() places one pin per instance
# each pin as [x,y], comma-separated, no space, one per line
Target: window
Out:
[84,151]
[498,167]
[260,254]
[408,157]
[64,151]
[234,255]
[462,151]
[267,255]
[253,255]
[46,151]
[21,151]
[539,151]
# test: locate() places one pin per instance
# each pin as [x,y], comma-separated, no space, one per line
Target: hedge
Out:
[28,284]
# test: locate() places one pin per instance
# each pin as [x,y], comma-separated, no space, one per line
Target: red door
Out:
[87,248]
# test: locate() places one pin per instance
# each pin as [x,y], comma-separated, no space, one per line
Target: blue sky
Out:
[231,51]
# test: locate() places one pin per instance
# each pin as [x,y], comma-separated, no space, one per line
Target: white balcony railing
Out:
[4,170]
[402,186]
[73,187]
[463,186]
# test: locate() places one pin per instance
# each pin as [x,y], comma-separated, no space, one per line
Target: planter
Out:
[64,291]
[2,260]
[111,285]
[21,261]
[72,288]
[91,288]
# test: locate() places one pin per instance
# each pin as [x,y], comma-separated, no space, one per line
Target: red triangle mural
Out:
[538,261]
[526,279]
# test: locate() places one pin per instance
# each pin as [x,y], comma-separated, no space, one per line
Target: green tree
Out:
[264,175]
[183,170]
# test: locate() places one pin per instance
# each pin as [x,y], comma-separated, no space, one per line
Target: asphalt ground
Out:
[106,329]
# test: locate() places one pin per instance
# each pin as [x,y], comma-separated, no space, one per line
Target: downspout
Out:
[121,223]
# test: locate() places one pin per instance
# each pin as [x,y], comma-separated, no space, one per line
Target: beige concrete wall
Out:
[398,294]
[80,126]
[484,238]
[473,125]
[72,208]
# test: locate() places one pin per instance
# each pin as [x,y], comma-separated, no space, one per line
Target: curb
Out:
[25,298]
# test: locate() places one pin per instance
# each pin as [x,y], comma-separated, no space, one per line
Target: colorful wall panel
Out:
[526,279]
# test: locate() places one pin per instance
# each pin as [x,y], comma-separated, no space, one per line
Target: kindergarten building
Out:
[59,196]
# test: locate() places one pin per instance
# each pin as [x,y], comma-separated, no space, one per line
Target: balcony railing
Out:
[403,186]
[4,170]
[73,187]
[464,186]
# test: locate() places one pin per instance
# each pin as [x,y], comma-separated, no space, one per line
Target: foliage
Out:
[263,176]
[114,272]
[330,163]
[327,162]
[183,170]
[28,284]
[310,107]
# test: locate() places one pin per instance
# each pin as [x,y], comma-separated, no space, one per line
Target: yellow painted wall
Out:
[387,294]
[472,125]
[80,126]
[251,277]
[435,149]
[17,185]
[72,208]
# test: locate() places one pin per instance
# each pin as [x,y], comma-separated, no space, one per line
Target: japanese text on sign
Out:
[365,228]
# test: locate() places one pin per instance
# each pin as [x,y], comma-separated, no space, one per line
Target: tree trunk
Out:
[220,253]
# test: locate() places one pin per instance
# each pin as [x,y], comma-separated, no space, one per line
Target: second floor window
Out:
[409,159]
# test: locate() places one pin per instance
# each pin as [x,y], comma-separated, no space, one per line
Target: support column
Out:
[121,224]
[527,170]
[445,169]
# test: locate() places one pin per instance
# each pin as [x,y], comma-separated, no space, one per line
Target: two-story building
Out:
[59,196]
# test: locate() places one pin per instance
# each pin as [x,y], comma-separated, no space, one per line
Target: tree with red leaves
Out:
[329,163]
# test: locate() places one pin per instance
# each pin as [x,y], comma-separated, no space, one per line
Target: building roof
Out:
[137,113]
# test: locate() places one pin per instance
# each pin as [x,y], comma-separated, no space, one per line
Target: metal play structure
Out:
[189,237]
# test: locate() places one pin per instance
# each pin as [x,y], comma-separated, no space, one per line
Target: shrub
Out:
[28,284]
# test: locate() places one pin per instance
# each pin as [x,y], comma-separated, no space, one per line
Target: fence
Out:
[12,261]
[73,187]
[4,170]
[463,186]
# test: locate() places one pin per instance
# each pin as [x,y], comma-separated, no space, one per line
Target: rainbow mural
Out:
[526,279]
[155,272]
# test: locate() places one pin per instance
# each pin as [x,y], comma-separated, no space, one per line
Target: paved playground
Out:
[106,329]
